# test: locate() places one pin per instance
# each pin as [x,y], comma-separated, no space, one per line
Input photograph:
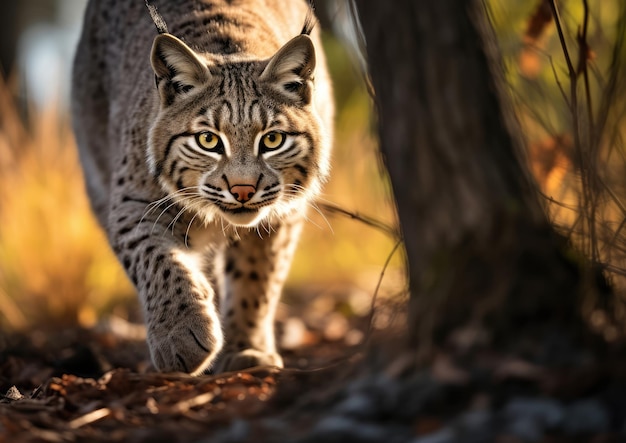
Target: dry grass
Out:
[55,265]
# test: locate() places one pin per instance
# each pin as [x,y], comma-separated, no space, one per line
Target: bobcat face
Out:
[236,139]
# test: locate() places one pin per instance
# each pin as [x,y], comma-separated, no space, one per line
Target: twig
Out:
[369,221]
[572,228]
[380,280]
[558,82]
[583,52]
[558,203]
[350,357]
[185,405]
[613,196]
[583,66]
[614,269]
[559,29]
[611,91]
[89,418]
[588,203]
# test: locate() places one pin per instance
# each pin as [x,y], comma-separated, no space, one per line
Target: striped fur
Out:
[202,147]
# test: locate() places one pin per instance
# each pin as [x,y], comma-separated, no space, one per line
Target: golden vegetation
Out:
[55,265]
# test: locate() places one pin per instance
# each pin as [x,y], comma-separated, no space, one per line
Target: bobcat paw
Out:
[189,346]
[248,358]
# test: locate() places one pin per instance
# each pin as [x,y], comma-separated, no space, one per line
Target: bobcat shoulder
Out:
[201,149]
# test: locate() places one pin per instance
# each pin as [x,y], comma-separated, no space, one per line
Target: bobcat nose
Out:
[242,193]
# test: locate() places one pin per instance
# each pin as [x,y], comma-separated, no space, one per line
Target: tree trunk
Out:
[480,249]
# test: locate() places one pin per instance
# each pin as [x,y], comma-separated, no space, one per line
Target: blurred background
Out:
[56,268]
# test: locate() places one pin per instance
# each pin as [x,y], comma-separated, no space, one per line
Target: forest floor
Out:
[97,385]
[75,384]
[83,385]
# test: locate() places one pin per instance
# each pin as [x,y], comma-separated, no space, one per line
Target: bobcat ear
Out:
[291,69]
[177,68]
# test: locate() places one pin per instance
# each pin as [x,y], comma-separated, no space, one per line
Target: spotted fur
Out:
[201,148]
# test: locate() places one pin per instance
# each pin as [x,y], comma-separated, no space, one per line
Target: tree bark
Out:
[480,249]
[8,37]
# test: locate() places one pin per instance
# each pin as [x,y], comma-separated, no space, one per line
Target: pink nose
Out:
[242,193]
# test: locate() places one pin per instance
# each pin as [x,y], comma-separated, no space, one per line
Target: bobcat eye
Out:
[272,140]
[210,142]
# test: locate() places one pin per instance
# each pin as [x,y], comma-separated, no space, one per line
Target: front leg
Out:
[184,331]
[256,268]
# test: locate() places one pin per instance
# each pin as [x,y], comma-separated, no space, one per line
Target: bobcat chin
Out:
[202,145]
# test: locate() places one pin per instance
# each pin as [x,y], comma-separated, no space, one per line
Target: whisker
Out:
[222,223]
[188,228]
[169,196]
[317,209]
[185,192]
[151,207]
[188,207]
[175,219]
[159,217]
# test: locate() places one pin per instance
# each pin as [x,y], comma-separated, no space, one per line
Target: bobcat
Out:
[201,147]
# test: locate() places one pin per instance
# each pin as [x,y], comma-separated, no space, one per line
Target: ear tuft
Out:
[177,68]
[290,70]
